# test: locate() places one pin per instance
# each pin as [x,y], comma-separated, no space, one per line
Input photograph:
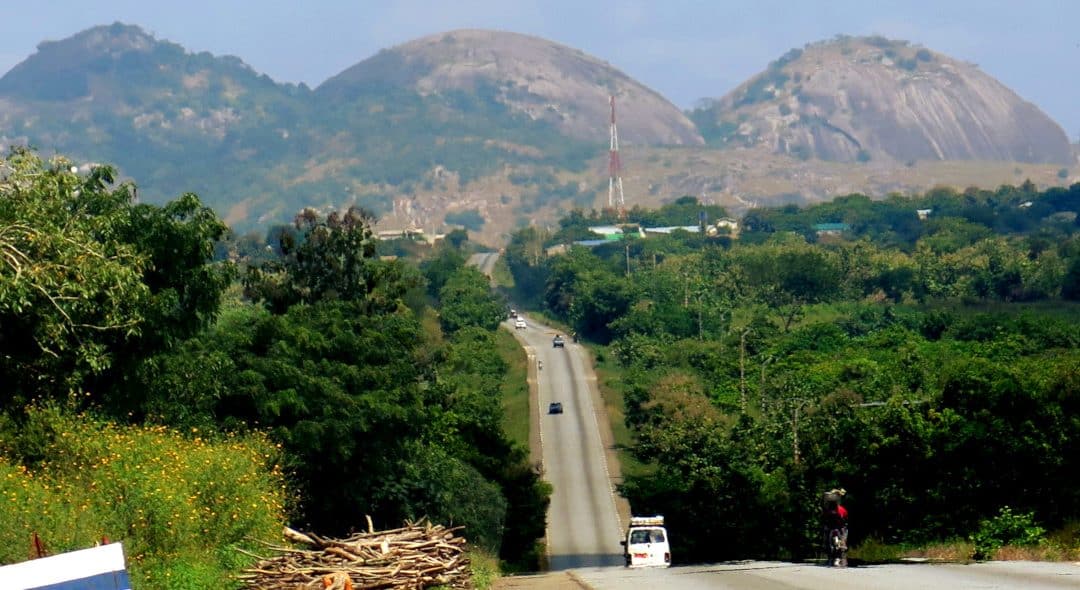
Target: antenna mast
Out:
[615,193]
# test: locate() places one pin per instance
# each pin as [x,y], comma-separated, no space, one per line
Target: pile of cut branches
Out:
[418,555]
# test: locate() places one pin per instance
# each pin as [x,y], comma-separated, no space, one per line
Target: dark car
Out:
[558,342]
[555,408]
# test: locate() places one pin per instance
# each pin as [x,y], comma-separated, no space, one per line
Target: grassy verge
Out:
[484,567]
[1060,546]
[609,380]
[515,389]
[500,275]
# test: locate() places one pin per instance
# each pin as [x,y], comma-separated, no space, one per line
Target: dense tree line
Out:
[928,366]
[380,381]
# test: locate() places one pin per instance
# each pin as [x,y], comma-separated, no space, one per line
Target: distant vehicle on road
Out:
[558,342]
[513,313]
[555,408]
[520,324]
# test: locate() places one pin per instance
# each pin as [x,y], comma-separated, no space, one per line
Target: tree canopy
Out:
[926,364]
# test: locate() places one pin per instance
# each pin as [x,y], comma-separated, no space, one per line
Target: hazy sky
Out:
[685,49]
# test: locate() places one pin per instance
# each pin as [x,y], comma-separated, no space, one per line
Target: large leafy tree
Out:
[789,274]
[467,300]
[66,279]
[89,281]
[527,259]
[439,268]
[331,258]
[343,390]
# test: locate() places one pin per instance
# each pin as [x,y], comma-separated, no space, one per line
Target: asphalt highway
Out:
[584,527]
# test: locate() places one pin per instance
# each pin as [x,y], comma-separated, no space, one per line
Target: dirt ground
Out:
[543,581]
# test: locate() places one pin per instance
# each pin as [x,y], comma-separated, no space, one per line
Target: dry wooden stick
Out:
[416,556]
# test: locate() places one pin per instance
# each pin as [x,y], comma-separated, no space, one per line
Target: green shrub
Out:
[470,219]
[802,151]
[908,64]
[180,504]
[872,550]
[1006,528]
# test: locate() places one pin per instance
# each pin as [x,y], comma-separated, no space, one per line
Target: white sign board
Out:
[97,568]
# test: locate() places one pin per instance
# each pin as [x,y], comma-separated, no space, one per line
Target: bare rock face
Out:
[545,80]
[855,99]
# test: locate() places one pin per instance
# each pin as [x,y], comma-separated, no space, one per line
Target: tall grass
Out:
[609,380]
[515,388]
[484,568]
[181,503]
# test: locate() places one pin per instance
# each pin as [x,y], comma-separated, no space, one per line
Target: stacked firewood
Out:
[416,556]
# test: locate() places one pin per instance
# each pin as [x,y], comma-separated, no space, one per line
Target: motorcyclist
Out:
[835,517]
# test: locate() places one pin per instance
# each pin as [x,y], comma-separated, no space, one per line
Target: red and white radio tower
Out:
[614,168]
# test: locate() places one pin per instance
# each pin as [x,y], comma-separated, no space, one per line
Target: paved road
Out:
[762,575]
[484,261]
[583,523]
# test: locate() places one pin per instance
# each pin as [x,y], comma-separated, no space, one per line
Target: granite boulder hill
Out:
[860,98]
[542,79]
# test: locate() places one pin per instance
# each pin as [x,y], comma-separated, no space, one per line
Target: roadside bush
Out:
[470,219]
[181,504]
[872,550]
[1006,528]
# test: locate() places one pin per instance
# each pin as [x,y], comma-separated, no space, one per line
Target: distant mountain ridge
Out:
[175,121]
[856,98]
[497,128]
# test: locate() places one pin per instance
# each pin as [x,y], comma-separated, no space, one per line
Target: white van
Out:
[646,543]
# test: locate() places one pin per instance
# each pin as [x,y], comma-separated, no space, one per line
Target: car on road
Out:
[555,408]
[558,342]
[520,324]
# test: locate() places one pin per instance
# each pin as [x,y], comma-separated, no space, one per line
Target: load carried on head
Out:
[832,498]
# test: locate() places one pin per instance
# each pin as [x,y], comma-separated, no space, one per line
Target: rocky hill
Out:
[856,99]
[492,130]
[173,120]
[483,125]
[541,79]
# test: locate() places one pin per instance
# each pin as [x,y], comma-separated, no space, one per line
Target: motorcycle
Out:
[836,547]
